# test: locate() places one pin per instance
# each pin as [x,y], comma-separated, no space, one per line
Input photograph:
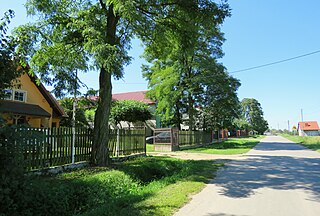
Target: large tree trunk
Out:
[100,154]
[101,120]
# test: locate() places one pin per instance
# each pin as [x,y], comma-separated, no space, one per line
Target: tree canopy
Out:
[252,114]
[8,63]
[184,75]
[78,35]
[129,111]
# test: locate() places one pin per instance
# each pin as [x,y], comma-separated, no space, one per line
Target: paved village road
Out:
[277,178]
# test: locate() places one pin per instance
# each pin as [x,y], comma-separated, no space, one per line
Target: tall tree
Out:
[220,102]
[253,114]
[178,64]
[99,32]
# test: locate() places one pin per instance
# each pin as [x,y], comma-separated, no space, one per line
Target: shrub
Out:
[11,169]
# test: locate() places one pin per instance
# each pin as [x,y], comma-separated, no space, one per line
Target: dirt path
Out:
[198,156]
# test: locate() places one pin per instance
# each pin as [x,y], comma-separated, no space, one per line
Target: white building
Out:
[309,128]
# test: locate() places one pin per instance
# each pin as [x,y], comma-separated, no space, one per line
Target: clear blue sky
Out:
[257,33]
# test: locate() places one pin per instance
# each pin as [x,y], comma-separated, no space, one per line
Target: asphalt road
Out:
[276,178]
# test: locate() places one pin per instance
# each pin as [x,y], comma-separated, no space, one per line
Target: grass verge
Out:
[150,147]
[229,147]
[143,186]
[311,142]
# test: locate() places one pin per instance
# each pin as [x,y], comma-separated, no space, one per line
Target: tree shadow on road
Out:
[240,179]
[279,146]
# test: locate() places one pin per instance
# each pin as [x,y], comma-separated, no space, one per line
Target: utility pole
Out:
[74,116]
[301,115]
[288,126]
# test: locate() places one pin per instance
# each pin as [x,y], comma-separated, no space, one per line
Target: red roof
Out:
[137,96]
[309,126]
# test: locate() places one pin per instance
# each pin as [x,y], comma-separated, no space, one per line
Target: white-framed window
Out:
[15,95]
[20,95]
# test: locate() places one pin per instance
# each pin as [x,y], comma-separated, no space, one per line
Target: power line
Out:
[129,83]
[276,62]
[246,69]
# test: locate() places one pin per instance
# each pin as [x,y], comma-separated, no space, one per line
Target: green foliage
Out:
[129,111]
[8,62]
[251,112]
[81,120]
[228,147]
[72,35]
[12,179]
[311,142]
[184,67]
[11,169]
[146,170]
[221,103]
[134,186]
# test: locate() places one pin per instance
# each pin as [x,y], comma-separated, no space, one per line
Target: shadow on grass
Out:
[225,145]
[312,142]
[315,146]
[233,145]
[106,191]
[148,169]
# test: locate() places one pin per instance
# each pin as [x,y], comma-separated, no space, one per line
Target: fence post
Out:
[73,144]
[144,141]
[118,143]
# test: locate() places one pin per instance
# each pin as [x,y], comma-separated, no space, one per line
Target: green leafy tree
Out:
[80,116]
[221,103]
[178,63]
[129,111]
[8,63]
[253,114]
[99,33]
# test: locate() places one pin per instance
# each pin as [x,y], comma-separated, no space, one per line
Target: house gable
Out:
[37,106]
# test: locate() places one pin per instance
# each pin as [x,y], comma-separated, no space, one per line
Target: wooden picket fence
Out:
[47,147]
[124,142]
[191,138]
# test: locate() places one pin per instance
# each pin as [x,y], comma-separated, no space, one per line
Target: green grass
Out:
[311,142]
[142,186]
[150,148]
[229,147]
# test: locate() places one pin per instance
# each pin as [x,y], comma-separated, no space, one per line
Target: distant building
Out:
[136,96]
[309,128]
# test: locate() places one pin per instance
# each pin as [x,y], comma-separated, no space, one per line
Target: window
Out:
[16,95]
[19,95]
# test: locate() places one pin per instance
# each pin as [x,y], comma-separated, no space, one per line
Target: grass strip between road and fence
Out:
[141,186]
[228,147]
[311,142]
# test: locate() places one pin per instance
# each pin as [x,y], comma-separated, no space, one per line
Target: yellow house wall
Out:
[34,96]
[57,121]
[34,122]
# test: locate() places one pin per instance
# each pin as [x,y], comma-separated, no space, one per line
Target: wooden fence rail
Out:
[189,138]
[124,142]
[47,147]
